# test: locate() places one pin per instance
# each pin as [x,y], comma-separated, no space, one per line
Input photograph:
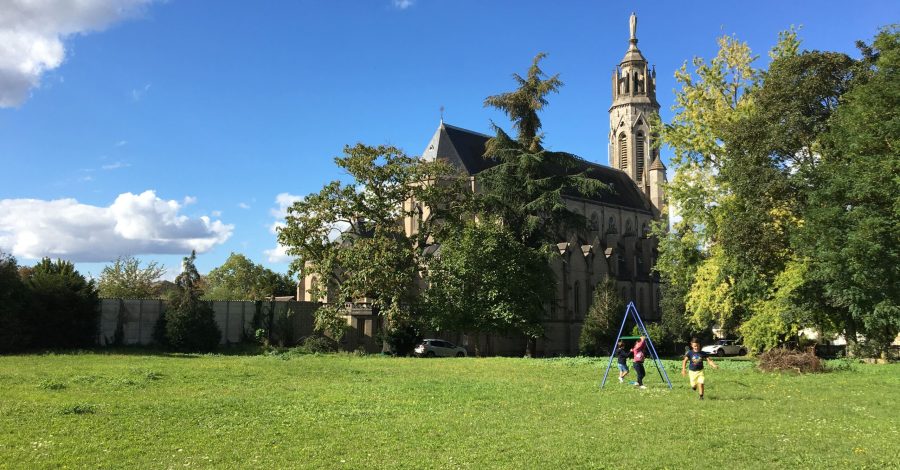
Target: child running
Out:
[622,353]
[696,357]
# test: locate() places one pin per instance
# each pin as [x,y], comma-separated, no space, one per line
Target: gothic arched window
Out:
[623,151]
[639,154]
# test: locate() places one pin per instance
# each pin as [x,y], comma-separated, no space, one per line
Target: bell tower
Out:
[631,137]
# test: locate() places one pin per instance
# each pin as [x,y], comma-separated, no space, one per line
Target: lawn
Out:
[333,411]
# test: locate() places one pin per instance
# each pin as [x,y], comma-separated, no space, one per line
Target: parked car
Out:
[439,348]
[726,347]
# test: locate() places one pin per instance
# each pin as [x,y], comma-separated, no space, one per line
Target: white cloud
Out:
[32,35]
[216,213]
[278,255]
[403,4]
[188,200]
[121,143]
[243,205]
[116,166]
[138,93]
[133,224]
[284,201]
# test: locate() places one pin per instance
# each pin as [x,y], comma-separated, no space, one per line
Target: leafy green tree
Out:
[602,320]
[713,96]
[852,229]
[189,323]
[525,188]
[126,279]
[350,236]
[483,280]
[239,278]
[15,332]
[64,309]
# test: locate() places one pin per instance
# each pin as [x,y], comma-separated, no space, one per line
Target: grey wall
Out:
[138,318]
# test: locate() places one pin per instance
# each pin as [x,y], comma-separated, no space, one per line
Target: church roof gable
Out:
[464,148]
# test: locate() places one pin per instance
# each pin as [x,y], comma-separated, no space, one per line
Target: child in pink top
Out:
[639,351]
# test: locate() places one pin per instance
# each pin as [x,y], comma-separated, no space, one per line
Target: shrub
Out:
[783,359]
[15,332]
[402,338]
[318,344]
[189,323]
[602,320]
[64,308]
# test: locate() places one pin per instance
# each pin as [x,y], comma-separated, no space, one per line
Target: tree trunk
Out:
[850,336]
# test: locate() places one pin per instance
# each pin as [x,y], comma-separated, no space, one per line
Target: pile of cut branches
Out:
[783,359]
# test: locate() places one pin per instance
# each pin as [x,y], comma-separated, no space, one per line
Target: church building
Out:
[617,243]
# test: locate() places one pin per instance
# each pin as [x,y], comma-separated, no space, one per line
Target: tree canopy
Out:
[239,278]
[526,187]
[126,279]
[764,165]
[350,236]
[484,280]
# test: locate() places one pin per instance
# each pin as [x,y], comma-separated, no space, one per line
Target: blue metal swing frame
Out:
[633,311]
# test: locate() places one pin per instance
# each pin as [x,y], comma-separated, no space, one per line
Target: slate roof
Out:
[465,149]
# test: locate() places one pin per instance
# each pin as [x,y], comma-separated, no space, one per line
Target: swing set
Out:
[632,310]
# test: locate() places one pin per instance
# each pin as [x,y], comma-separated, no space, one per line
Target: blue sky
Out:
[146,128]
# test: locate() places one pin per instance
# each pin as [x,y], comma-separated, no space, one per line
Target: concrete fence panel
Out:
[135,319]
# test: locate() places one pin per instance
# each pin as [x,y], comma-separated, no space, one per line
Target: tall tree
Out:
[525,188]
[350,236]
[483,280]
[852,229]
[239,278]
[125,278]
[189,323]
[523,104]
[711,97]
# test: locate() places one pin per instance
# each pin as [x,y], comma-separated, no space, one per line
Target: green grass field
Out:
[343,411]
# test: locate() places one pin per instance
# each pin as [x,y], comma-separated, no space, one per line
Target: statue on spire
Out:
[632,24]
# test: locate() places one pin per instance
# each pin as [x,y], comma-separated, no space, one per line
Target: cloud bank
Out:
[133,224]
[284,201]
[32,35]
[402,4]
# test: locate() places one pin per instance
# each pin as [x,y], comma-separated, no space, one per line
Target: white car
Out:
[725,347]
[439,348]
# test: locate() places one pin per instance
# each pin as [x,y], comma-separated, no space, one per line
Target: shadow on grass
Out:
[230,350]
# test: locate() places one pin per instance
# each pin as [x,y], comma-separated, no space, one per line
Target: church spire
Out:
[631,135]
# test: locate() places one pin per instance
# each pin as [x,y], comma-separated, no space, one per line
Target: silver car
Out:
[439,348]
